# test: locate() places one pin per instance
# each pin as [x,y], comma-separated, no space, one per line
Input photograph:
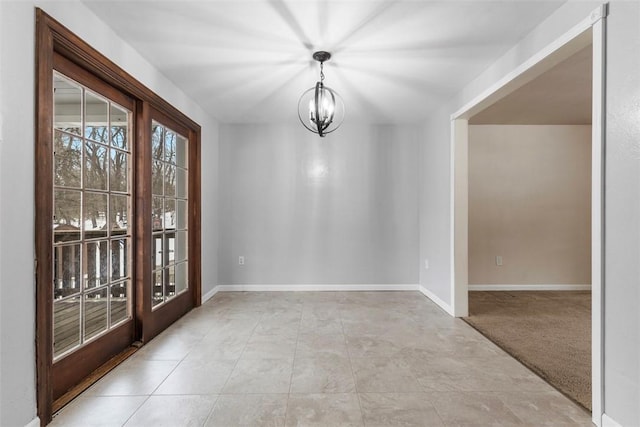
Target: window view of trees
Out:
[92,212]
[169,213]
[92,204]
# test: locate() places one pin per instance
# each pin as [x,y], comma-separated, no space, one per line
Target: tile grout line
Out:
[171,372]
[241,353]
[136,411]
[165,379]
[353,375]
[219,395]
[293,362]
[213,408]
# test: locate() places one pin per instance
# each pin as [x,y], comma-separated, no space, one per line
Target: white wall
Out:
[308,210]
[530,203]
[1,192]
[622,216]
[17,288]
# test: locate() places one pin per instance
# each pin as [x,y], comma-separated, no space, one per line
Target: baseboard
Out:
[537,287]
[34,422]
[206,297]
[609,422]
[433,297]
[316,287]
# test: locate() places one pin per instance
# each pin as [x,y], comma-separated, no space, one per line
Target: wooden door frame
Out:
[156,320]
[54,38]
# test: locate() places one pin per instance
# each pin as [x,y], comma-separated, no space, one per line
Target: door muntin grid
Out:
[91,215]
[169,184]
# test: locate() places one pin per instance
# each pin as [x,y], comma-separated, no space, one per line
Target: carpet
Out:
[549,332]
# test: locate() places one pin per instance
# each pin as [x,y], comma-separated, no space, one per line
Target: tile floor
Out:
[320,359]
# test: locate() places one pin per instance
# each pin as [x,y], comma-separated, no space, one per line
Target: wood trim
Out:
[55,40]
[93,378]
[143,226]
[172,122]
[43,225]
[71,370]
[162,317]
[85,78]
[72,47]
[195,224]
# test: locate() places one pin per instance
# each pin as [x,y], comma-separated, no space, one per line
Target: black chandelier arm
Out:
[333,102]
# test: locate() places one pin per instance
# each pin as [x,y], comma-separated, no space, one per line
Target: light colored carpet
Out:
[549,332]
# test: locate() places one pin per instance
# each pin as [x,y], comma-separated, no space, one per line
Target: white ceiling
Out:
[393,61]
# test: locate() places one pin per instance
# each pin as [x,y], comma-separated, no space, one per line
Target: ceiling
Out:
[560,96]
[393,61]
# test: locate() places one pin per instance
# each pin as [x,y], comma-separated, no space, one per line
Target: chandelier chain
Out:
[321,71]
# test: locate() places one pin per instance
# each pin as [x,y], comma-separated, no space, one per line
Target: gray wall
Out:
[209,209]
[17,291]
[17,162]
[622,216]
[307,210]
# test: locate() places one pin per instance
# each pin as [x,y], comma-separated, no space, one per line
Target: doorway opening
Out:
[585,38]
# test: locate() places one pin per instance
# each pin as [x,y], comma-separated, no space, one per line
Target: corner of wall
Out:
[433,297]
[609,422]
[210,294]
[34,423]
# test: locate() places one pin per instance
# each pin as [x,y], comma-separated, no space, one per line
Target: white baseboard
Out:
[433,297]
[206,297]
[609,422]
[316,287]
[34,422]
[537,287]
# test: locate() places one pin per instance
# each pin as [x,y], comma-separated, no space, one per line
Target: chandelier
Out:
[320,108]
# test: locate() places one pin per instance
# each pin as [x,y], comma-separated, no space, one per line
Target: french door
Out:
[117,224]
[170,172]
[92,228]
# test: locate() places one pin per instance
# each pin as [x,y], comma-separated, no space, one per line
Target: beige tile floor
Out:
[321,359]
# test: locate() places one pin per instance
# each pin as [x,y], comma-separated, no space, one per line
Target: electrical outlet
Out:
[498,260]
[241,260]
[426,264]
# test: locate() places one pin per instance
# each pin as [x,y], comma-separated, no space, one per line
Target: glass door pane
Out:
[92,205]
[169,174]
